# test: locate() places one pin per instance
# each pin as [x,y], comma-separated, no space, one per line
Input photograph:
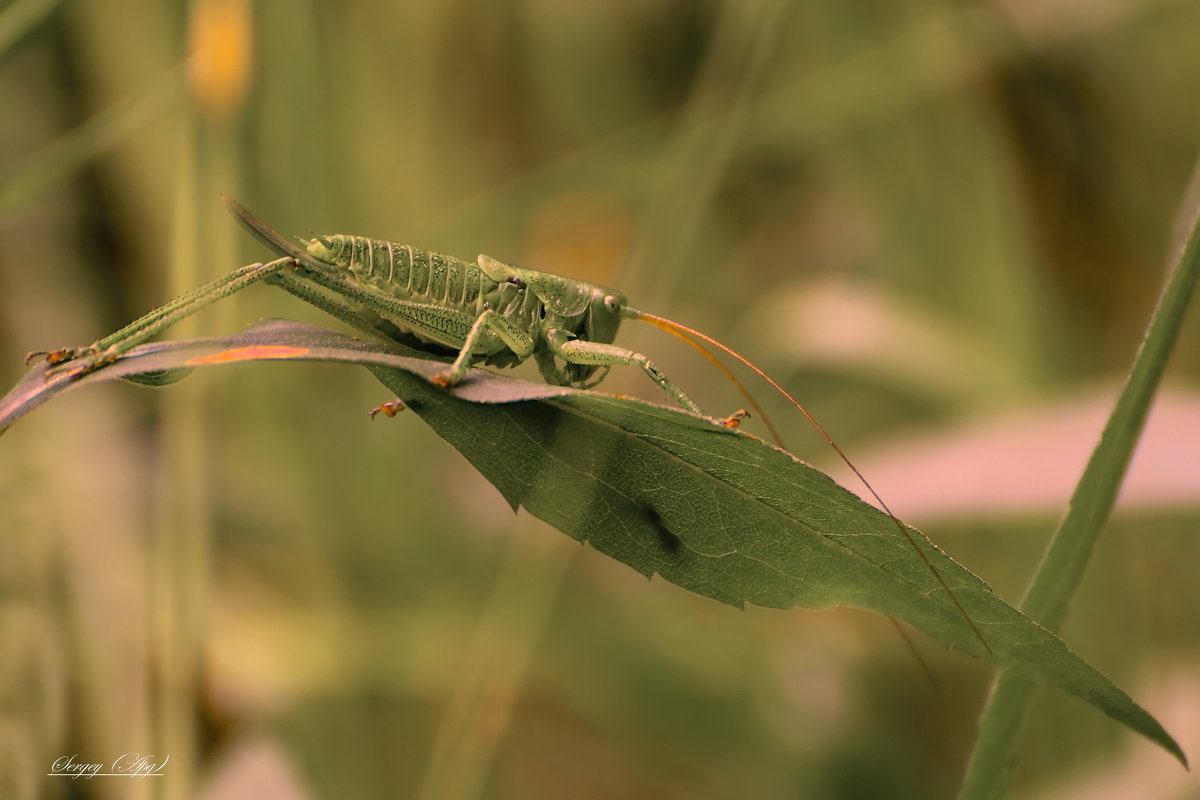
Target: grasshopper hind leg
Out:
[79,361]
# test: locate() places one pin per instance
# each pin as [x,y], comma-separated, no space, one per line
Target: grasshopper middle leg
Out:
[520,342]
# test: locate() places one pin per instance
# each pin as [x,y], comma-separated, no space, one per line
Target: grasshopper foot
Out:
[75,362]
[734,419]
[389,409]
[445,379]
[54,356]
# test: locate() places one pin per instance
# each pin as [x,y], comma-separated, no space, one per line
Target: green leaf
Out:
[716,511]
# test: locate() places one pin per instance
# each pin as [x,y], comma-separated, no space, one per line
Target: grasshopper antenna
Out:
[694,342]
[688,334]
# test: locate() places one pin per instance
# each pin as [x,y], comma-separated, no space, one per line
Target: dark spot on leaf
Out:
[667,539]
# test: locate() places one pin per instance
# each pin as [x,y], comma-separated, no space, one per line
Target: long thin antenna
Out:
[716,362]
[683,331]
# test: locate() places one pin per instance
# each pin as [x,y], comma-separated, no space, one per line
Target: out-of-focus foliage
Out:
[919,216]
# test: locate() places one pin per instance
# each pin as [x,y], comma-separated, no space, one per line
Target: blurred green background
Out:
[941,224]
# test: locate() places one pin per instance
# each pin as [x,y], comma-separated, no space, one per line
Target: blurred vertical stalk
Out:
[990,770]
[218,33]
[497,662]
[72,151]
[178,551]
[747,34]
[21,17]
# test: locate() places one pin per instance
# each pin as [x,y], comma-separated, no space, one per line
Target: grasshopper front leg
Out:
[578,351]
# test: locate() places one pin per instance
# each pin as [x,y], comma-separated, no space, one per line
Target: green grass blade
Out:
[1070,550]
[58,159]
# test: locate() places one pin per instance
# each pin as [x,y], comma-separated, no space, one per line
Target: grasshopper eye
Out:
[611,302]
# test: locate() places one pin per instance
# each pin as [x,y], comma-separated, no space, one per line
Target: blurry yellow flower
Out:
[220,43]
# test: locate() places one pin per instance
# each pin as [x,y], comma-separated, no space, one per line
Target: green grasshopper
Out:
[489,312]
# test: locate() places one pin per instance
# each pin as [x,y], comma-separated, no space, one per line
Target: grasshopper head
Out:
[603,316]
